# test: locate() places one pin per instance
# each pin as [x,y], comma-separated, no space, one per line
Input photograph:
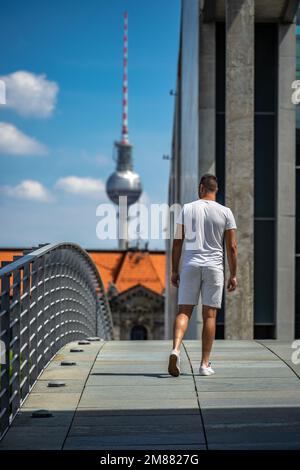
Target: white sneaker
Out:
[174,363]
[206,370]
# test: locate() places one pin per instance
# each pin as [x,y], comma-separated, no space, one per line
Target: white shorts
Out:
[205,279]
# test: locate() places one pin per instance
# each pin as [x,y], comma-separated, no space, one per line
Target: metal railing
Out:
[48,298]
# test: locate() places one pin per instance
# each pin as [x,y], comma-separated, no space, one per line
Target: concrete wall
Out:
[207,112]
[194,154]
[174,191]
[185,152]
[240,158]
[285,246]
[189,101]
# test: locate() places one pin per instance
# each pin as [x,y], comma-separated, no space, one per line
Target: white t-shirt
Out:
[205,222]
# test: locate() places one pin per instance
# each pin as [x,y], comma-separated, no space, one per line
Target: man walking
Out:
[202,225]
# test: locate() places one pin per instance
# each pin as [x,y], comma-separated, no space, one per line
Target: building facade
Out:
[234,117]
[134,280]
[297,303]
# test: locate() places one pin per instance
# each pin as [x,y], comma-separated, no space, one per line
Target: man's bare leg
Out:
[179,328]
[180,324]
[209,315]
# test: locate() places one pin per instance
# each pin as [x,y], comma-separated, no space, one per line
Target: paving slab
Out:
[158,412]
[135,433]
[78,444]
[223,384]
[251,435]
[132,380]
[253,401]
[172,438]
[247,365]
[65,373]
[58,419]
[71,386]
[137,421]
[251,416]
[139,392]
[249,372]
[49,433]
[142,404]
[120,396]
[286,353]
[53,401]
[290,445]
[31,437]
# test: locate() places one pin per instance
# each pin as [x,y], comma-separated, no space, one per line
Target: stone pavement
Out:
[120,396]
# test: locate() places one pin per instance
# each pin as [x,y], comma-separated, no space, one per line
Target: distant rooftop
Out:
[123,268]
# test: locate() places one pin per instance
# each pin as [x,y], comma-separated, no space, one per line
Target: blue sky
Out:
[61,61]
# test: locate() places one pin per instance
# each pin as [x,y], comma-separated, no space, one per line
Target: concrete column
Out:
[207,113]
[240,158]
[189,139]
[174,193]
[207,97]
[285,243]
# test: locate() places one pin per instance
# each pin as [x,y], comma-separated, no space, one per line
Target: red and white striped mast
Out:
[124,139]
[124,183]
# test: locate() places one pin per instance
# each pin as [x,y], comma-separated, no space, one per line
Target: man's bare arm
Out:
[231,250]
[176,253]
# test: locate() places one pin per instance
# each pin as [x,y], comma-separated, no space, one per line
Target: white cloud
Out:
[81,186]
[30,94]
[15,142]
[29,190]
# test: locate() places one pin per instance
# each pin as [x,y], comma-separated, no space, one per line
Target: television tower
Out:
[124,181]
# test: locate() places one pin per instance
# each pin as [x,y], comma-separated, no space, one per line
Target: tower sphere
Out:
[124,183]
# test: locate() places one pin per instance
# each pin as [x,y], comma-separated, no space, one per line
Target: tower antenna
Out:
[124,138]
[124,183]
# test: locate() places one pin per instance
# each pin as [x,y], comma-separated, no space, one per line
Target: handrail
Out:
[48,298]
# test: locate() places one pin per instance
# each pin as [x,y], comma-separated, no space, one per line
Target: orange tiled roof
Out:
[127,269]
[107,264]
[137,268]
[159,262]
[124,268]
[7,255]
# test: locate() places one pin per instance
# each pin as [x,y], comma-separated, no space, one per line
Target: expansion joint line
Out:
[197,395]
[280,358]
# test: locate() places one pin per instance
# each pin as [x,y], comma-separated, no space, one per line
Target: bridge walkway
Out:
[119,395]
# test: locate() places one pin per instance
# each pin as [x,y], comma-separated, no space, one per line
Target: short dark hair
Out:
[209,182]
